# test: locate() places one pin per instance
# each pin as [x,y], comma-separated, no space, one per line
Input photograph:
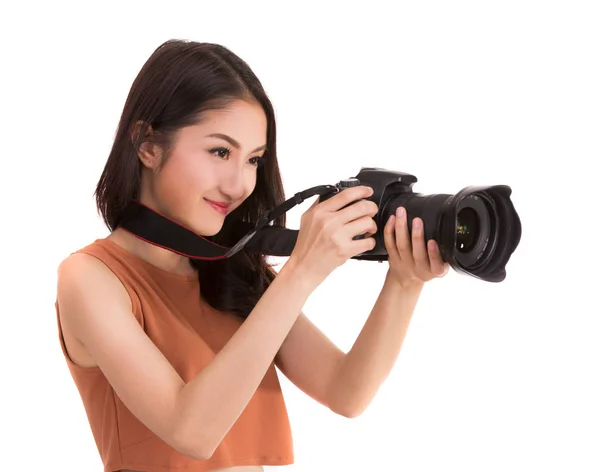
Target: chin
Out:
[211,233]
[207,230]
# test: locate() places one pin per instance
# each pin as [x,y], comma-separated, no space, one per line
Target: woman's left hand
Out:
[412,261]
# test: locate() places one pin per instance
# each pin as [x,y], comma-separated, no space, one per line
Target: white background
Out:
[492,377]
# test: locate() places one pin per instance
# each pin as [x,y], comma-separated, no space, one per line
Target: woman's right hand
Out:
[326,231]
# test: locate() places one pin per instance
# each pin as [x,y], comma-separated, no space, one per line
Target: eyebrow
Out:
[233,142]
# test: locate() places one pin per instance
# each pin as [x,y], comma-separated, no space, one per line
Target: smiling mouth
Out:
[220,208]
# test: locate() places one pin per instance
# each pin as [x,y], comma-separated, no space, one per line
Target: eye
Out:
[221,152]
[258,161]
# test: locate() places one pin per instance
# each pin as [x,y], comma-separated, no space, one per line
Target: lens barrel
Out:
[477,229]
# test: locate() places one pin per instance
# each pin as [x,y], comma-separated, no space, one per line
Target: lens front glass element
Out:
[467,229]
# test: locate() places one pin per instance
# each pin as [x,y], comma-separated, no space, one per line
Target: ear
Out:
[148,151]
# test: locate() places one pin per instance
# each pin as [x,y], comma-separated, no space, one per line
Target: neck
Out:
[155,255]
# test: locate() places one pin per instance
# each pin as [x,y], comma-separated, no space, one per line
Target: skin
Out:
[199,167]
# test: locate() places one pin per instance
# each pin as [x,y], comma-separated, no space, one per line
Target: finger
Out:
[363,245]
[390,239]
[315,203]
[372,228]
[347,196]
[362,226]
[419,250]
[438,266]
[402,237]
[357,210]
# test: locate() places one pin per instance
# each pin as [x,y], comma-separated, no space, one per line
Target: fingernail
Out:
[400,212]
[391,220]
[417,224]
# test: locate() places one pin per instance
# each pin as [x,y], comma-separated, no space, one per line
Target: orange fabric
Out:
[189,332]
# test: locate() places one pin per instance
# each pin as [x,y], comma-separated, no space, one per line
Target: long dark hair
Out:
[179,81]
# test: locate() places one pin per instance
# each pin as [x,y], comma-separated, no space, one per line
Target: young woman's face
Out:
[214,161]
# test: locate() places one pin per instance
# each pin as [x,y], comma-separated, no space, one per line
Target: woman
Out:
[175,359]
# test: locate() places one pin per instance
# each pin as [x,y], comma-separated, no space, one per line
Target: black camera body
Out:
[477,229]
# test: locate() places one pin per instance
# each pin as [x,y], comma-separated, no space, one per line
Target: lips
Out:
[225,206]
[220,207]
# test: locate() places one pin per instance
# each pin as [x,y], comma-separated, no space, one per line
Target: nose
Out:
[233,184]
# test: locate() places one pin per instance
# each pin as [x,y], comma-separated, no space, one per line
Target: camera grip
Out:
[342,185]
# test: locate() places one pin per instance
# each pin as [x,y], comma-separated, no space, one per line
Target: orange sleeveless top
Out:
[189,332]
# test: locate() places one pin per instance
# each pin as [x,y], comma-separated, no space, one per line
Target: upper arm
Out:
[97,310]
[310,360]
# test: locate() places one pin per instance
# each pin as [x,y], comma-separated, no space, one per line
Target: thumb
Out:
[315,203]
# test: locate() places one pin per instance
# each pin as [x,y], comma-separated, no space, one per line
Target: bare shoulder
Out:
[83,281]
[78,277]
[83,274]
[96,309]
[85,284]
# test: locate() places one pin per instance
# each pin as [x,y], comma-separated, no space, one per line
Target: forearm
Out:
[210,404]
[376,349]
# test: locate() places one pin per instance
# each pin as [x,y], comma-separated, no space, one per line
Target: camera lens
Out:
[477,229]
[467,229]
[473,229]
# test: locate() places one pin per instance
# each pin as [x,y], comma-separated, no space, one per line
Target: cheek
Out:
[180,185]
[250,181]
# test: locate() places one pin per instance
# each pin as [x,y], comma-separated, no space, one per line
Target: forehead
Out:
[245,122]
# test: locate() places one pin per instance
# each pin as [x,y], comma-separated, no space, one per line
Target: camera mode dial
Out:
[347,183]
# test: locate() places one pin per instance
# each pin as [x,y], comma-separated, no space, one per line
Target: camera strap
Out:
[489,207]
[159,230]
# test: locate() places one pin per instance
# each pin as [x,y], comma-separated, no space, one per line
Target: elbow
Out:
[196,448]
[350,413]
[348,410]
[200,454]
[348,406]
[197,452]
